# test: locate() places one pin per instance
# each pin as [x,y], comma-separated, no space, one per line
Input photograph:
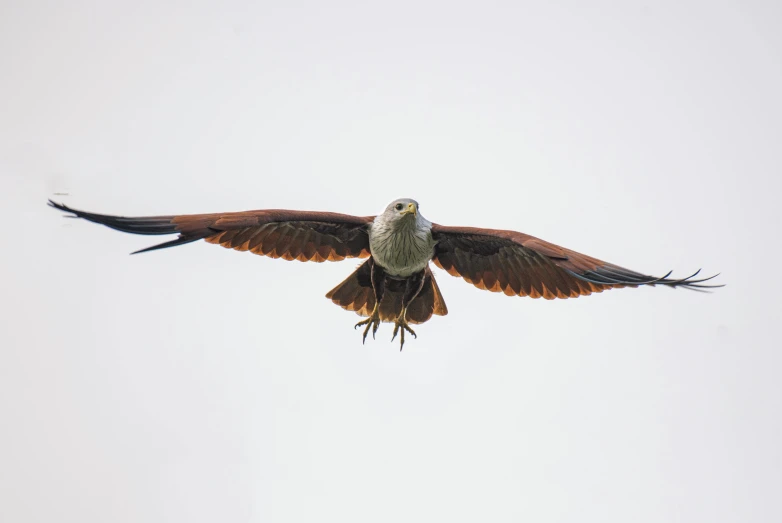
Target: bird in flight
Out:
[395,284]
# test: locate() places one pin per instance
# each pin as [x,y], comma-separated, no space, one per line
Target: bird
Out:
[395,283]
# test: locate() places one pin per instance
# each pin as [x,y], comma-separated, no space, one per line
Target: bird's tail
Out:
[355,294]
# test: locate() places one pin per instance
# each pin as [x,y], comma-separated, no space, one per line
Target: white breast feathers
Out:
[403,247]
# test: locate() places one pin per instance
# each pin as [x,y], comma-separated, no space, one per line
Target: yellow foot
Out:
[401,322]
[373,321]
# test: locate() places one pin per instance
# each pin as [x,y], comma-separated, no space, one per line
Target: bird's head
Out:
[403,211]
[402,208]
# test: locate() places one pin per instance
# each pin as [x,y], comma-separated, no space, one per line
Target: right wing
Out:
[277,233]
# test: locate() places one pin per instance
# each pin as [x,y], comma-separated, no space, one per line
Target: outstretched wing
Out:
[291,235]
[522,265]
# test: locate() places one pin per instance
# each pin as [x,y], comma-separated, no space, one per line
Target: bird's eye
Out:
[399,206]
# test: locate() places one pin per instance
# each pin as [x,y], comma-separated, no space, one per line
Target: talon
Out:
[373,321]
[401,321]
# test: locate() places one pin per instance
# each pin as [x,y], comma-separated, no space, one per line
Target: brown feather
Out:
[355,294]
[519,264]
[297,240]
[299,235]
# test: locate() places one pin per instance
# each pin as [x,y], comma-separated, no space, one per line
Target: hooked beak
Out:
[410,210]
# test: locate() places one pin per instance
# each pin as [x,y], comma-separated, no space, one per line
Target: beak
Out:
[410,209]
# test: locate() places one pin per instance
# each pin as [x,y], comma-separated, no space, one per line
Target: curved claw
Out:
[373,321]
[402,322]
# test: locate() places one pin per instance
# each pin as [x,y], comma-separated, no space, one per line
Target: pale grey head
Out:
[404,212]
[400,239]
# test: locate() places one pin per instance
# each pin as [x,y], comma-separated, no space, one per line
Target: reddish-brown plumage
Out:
[510,262]
[518,264]
[291,235]
[355,294]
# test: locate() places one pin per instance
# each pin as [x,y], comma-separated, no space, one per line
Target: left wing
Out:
[521,265]
[277,233]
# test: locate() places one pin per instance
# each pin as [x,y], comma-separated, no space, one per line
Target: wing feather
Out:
[521,265]
[277,233]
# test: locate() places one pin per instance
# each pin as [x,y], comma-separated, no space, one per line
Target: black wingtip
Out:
[172,243]
[149,225]
[607,276]
[59,206]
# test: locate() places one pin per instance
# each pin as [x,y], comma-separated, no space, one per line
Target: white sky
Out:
[200,384]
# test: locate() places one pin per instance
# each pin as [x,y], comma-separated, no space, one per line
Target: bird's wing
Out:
[522,265]
[292,235]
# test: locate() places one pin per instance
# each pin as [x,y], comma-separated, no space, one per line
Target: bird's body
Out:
[395,283]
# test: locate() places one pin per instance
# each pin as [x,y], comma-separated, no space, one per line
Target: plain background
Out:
[201,384]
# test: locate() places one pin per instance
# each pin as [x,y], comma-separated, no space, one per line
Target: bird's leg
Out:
[378,289]
[413,286]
